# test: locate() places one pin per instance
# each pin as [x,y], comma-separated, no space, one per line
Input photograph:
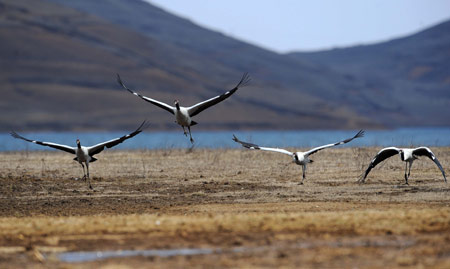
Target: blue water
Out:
[87,256]
[222,139]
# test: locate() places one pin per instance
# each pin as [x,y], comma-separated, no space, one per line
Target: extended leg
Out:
[184,130]
[304,174]
[89,179]
[84,172]
[189,128]
[409,171]
[406,175]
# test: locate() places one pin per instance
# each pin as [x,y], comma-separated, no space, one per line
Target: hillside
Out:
[316,96]
[59,61]
[414,70]
[60,68]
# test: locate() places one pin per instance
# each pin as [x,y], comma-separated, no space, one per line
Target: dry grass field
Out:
[245,207]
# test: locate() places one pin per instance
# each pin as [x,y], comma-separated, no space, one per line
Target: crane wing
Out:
[314,150]
[162,105]
[48,144]
[424,151]
[254,146]
[195,109]
[381,156]
[111,143]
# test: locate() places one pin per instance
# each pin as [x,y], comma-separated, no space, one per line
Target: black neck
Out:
[178,106]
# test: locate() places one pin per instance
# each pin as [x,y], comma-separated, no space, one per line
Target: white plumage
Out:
[300,158]
[408,155]
[85,154]
[183,115]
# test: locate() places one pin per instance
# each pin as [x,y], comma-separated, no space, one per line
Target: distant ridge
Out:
[414,71]
[59,60]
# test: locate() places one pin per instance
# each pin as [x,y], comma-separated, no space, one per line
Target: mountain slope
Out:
[414,70]
[60,68]
[301,81]
[59,61]
[54,61]
[366,96]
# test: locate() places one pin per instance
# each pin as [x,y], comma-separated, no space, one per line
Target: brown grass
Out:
[223,199]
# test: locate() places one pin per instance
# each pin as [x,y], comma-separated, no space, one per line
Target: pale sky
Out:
[298,25]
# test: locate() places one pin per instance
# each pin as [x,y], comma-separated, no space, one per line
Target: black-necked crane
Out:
[183,115]
[408,155]
[85,154]
[300,158]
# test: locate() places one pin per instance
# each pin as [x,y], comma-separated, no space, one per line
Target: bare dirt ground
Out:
[246,206]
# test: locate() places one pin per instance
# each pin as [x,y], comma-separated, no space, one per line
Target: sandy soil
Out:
[245,205]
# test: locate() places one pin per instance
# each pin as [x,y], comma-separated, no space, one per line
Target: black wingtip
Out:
[244,80]
[144,125]
[245,144]
[360,133]
[14,134]
[119,80]
[361,179]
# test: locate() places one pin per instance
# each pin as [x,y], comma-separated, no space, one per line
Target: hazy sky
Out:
[287,25]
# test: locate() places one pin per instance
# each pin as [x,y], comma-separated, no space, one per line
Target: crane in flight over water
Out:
[300,158]
[183,115]
[85,154]
[408,155]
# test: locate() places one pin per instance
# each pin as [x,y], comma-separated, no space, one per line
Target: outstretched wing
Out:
[424,151]
[195,109]
[162,105]
[381,156]
[111,143]
[48,144]
[314,150]
[254,146]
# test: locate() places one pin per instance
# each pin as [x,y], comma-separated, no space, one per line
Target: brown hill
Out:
[412,71]
[59,60]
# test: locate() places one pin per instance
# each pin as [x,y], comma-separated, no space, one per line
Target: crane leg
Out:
[190,135]
[84,172]
[409,171]
[407,175]
[304,174]
[89,179]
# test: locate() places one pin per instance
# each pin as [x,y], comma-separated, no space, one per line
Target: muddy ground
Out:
[246,207]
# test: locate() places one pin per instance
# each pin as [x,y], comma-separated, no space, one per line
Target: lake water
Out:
[431,137]
[89,256]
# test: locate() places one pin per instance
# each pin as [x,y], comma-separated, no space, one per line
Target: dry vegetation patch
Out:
[225,199]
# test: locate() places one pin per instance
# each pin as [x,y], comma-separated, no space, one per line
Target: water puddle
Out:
[88,256]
